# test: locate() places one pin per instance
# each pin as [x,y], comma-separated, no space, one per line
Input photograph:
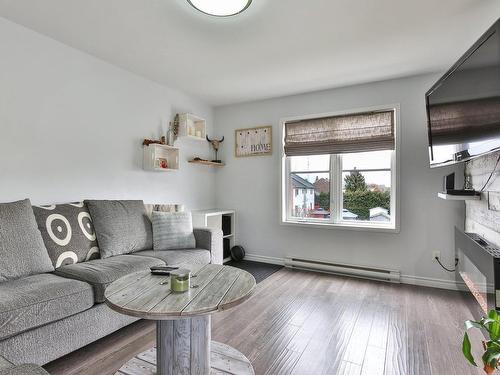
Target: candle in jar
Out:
[180,280]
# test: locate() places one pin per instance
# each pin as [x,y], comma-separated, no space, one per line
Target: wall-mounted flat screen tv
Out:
[463,107]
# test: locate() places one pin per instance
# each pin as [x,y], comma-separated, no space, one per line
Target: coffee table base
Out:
[224,360]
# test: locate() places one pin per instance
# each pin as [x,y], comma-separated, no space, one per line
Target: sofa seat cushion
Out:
[28,369]
[178,257]
[101,272]
[36,300]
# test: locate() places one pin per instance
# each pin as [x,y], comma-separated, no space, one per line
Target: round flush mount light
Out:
[220,8]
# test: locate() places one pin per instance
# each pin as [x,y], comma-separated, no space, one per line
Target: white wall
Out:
[71,127]
[251,186]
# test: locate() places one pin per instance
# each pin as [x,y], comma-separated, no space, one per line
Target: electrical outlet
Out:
[436,254]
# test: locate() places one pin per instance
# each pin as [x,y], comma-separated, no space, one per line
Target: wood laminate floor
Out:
[311,323]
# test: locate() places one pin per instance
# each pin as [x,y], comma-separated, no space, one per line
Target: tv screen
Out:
[463,107]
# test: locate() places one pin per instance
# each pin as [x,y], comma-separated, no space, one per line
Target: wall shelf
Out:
[206,162]
[459,197]
[153,155]
[192,127]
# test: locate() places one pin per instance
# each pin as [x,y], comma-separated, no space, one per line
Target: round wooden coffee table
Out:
[183,334]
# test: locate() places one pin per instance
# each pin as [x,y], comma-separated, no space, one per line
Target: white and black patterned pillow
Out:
[68,233]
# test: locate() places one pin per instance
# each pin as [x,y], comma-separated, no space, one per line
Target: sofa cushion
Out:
[122,227]
[162,208]
[173,230]
[27,369]
[36,300]
[101,272]
[68,233]
[22,251]
[179,257]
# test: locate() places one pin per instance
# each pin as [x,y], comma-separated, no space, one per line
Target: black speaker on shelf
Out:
[449,182]
[237,253]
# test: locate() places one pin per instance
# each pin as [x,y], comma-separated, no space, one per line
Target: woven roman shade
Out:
[360,132]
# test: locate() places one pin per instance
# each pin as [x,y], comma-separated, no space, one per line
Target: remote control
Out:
[162,270]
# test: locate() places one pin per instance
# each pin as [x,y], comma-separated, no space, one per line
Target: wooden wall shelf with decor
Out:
[206,162]
[161,158]
[191,126]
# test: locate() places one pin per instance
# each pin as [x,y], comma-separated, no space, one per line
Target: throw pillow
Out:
[122,227]
[22,251]
[173,230]
[68,233]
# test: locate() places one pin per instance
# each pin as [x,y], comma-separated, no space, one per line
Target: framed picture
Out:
[254,141]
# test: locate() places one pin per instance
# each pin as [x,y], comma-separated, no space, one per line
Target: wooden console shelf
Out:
[206,162]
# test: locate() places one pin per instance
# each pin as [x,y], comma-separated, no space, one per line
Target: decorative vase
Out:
[170,137]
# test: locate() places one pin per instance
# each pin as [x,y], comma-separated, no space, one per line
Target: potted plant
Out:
[491,356]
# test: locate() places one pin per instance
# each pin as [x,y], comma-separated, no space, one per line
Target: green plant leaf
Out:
[494,325]
[471,323]
[486,321]
[493,314]
[466,349]
[494,344]
[492,359]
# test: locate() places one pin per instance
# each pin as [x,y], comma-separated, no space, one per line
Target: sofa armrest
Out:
[211,240]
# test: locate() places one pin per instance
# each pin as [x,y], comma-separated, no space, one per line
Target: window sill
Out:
[357,227]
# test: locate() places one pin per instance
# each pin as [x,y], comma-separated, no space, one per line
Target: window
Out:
[354,186]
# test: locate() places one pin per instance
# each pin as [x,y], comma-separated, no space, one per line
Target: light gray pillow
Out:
[173,231]
[122,227]
[22,251]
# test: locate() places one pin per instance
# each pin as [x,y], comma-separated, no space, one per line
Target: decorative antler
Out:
[215,144]
[215,140]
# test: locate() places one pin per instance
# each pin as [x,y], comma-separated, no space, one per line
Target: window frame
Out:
[336,192]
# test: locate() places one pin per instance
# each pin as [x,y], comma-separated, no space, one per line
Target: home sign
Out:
[254,141]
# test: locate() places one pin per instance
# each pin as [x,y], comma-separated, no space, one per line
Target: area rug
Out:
[260,271]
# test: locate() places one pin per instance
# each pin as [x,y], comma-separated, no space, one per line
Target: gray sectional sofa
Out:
[47,314]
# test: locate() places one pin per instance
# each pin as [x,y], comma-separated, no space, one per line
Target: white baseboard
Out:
[433,283]
[405,279]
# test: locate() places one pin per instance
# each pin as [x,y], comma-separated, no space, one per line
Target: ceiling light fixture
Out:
[220,8]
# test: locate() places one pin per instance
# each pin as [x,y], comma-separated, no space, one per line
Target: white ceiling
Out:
[275,48]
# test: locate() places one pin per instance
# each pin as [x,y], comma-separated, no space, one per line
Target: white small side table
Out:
[220,219]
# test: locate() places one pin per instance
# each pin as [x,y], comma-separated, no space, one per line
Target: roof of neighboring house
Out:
[299,182]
